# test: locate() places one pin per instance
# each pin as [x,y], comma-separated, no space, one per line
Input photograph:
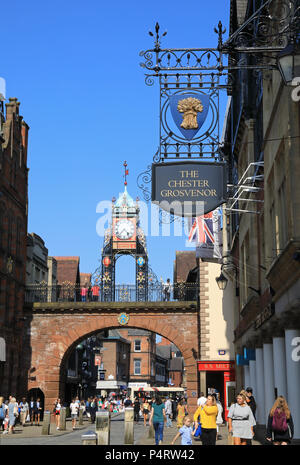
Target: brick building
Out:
[68,270]
[85,278]
[142,355]
[13,236]
[115,357]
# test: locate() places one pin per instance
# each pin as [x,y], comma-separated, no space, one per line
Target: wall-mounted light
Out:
[288,62]
[222,281]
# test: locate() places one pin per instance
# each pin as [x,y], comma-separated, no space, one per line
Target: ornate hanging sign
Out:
[189,189]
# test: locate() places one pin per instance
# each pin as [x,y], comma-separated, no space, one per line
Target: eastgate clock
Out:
[124,229]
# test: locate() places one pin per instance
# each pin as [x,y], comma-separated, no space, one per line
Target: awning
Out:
[2,350]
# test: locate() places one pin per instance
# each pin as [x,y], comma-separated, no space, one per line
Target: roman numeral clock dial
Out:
[124,229]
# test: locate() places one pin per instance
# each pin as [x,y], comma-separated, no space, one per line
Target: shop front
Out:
[220,377]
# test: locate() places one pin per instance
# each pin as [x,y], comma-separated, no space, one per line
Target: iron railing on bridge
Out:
[121,293]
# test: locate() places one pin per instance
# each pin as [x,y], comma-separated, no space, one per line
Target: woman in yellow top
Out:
[181,413]
[208,414]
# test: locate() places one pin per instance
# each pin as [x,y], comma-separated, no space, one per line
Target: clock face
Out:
[124,229]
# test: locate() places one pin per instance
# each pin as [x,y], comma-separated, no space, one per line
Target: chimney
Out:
[12,108]
[24,133]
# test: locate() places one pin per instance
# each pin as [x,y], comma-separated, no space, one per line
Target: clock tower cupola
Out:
[124,237]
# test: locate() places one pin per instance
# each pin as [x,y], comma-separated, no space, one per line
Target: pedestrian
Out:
[181,413]
[146,410]
[250,400]
[241,421]
[74,407]
[24,406]
[12,413]
[127,402]
[208,416]
[202,399]
[37,412]
[186,432]
[93,409]
[167,290]
[168,405]
[174,408]
[56,411]
[136,409]
[157,418]
[95,293]
[31,409]
[219,420]
[82,407]
[3,409]
[280,426]
[84,293]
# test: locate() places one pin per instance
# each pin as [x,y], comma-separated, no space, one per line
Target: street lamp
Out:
[288,62]
[222,281]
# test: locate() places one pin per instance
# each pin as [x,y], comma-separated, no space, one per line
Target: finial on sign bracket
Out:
[157,42]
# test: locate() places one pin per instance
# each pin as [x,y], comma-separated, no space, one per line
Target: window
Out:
[283,233]
[137,345]
[137,366]
[9,235]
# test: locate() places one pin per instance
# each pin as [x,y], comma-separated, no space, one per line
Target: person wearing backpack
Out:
[280,426]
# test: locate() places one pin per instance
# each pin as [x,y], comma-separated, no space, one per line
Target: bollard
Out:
[103,428]
[89,439]
[128,422]
[62,419]
[151,433]
[80,416]
[46,423]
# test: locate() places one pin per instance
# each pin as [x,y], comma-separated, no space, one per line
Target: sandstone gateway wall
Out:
[54,330]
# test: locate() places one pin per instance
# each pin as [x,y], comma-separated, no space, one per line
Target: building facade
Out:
[262,237]
[13,235]
[215,357]
[142,355]
[37,260]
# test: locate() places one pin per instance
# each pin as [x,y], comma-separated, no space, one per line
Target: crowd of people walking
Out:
[168,412]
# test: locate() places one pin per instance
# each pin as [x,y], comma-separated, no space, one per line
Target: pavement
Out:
[170,433]
[32,435]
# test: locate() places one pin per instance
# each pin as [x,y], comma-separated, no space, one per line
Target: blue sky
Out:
[74,66]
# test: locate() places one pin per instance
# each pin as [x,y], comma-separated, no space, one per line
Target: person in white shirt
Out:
[168,411]
[201,400]
[74,407]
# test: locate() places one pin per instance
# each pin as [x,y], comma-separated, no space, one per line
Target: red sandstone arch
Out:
[53,335]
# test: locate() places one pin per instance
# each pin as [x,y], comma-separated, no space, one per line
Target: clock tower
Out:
[124,237]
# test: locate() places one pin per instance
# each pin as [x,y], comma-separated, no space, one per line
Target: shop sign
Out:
[189,188]
[216,366]
[267,313]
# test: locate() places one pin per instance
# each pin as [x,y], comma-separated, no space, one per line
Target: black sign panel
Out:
[189,188]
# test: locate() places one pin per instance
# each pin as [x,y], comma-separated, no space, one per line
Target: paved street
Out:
[31,435]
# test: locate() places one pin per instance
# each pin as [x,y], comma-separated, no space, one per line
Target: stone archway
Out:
[56,328]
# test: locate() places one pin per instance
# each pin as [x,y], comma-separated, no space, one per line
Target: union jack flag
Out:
[202,229]
[205,234]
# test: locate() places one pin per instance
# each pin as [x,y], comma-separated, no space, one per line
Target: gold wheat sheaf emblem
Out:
[190,107]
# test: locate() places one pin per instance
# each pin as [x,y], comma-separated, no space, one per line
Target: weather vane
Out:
[126,173]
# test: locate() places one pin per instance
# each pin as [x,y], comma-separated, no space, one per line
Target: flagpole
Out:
[198,323]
